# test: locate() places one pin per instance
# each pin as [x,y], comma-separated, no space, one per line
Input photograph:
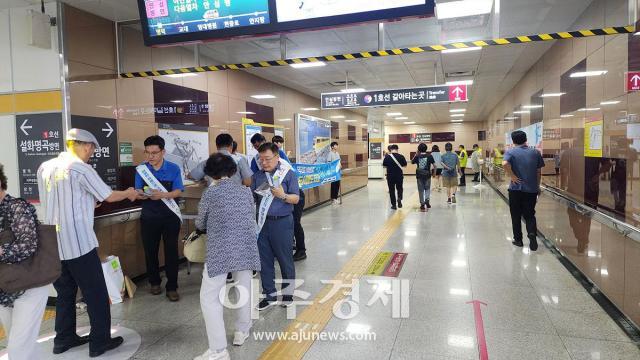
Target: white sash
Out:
[267,197]
[395,160]
[257,159]
[153,183]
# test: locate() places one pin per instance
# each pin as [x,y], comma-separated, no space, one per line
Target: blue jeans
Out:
[274,242]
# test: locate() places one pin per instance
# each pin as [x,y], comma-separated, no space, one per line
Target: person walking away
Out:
[69,189]
[276,187]
[451,163]
[463,158]
[524,167]
[226,213]
[160,219]
[256,141]
[335,186]
[394,163]
[424,171]
[20,312]
[437,157]
[475,162]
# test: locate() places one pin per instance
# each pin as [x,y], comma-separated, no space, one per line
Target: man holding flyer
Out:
[158,183]
[276,188]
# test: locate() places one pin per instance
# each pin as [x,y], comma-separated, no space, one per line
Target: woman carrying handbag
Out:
[20,312]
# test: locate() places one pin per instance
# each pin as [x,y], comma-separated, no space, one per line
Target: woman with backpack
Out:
[424,163]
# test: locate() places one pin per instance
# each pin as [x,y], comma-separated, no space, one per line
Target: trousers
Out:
[274,242]
[298,231]
[335,190]
[22,323]
[522,205]
[167,230]
[424,189]
[85,273]
[212,306]
[395,183]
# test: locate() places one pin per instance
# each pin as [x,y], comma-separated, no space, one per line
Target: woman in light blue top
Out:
[437,157]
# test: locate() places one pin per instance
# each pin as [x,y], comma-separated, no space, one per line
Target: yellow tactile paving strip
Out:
[48,314]
[315,317]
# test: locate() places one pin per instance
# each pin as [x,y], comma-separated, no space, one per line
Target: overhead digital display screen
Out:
[172,17]
[295,10]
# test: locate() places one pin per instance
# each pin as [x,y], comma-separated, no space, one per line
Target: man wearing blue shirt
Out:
[524,166]
[276,236]
[256,141]
[157,220]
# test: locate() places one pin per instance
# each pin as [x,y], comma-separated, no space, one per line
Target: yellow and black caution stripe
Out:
[394,52]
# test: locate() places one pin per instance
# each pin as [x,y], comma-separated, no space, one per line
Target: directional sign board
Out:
[105,159]
[633,81]
[39,138]
[420,95]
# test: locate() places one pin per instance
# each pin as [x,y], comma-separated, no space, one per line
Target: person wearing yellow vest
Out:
[498,156]
[464,157]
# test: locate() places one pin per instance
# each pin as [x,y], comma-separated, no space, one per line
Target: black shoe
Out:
[265,304]
[517,243]
[423,208]
[533,244]
[78,341]
[299,255]
[428,205]
[287,300]
[449,201]
[111,344]
[400,204]
[393,207]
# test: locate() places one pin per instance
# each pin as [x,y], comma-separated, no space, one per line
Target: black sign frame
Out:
[106,132]
[403,96]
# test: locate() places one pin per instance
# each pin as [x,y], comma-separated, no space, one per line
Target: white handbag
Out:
[195,247]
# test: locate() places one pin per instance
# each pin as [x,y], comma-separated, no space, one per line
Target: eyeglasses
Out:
[152,153]
[264,159]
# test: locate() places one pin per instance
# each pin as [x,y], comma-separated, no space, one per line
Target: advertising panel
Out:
[313,139]
[593,138]
[535,134]
[185,146]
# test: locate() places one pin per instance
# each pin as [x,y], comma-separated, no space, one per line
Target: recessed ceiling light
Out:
[264,96]
[350,120]
[181,101]
[394,114]
[532,106]
[188,124]
[309,109]
[457,115]
[452,51]
[589,109]
[510,118]
[460,82]
[402,118]
[338,117]
[567,115]
[552,94]
[354,90]
[522,112]
[456,120]
[284,120]
[246,113]
[181,75]
[308,64]
[409,122]
[457,110]
[610,102]
[588,73]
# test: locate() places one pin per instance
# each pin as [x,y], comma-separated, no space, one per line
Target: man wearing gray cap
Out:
[69,190]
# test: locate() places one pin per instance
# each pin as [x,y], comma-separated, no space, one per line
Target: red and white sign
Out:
[458,93]
[633,81]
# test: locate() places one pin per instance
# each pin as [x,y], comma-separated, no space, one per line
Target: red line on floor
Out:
[482,341]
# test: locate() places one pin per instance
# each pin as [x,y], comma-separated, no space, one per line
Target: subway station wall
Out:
[607,179]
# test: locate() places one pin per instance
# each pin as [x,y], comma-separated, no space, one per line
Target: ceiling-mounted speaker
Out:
[40,29]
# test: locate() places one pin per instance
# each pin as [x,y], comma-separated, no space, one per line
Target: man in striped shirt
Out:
[69,190]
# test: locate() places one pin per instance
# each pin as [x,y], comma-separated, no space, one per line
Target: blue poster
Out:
[314,139]
[314,175]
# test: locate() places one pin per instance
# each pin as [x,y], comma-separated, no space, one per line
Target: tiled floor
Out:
[535,308]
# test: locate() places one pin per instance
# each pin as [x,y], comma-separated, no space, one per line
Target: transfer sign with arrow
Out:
[633,81]
[458,93]
[24,127]
[108,130]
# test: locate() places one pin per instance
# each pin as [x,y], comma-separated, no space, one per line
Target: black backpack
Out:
[423,164]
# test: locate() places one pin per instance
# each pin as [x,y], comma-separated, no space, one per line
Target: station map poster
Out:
[250,128]
[534,133]
[593,138]
[313,139]
[185,146]
[173,17]
[104,159]
[296,10]
[39,138]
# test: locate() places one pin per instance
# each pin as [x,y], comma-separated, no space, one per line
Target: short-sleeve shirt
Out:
[525,163]
[69,189]
[393,170]
[243,172]
[451,160]
[423,161]
[437,157]
[170,176]
[254,162]
[290,186]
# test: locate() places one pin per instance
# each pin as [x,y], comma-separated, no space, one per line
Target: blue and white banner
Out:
[313,175]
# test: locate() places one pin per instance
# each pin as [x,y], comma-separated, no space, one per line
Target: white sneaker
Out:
[209,355]
[239,338]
